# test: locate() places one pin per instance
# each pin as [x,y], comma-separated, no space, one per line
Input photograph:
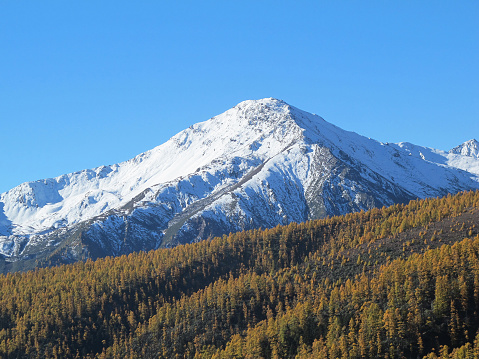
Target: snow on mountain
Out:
[259,164]
[465,156]
[468,148]
[68,199]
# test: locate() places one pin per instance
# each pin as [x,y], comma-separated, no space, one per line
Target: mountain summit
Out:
[259,164]
[468,148]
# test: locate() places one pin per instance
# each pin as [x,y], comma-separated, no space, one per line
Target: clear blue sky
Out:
[90,83]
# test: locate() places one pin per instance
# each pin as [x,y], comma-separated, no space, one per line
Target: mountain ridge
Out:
[259,164]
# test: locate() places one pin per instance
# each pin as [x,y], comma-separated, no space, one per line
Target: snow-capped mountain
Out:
[259,164]
[468,148]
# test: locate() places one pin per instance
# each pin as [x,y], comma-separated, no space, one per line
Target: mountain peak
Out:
[250,122]
[468,148]
[267,101]
[275,113]
[266,109]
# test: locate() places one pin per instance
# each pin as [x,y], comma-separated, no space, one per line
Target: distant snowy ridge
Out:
[259,164]
[468,148]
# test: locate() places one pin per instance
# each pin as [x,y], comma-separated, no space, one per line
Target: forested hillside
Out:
[396,282]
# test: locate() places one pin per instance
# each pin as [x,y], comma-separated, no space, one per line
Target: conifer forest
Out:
[395,282]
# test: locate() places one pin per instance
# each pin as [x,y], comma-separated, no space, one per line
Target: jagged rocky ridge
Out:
[259,164]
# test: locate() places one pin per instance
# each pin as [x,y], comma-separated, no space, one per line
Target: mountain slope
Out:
[259,164]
